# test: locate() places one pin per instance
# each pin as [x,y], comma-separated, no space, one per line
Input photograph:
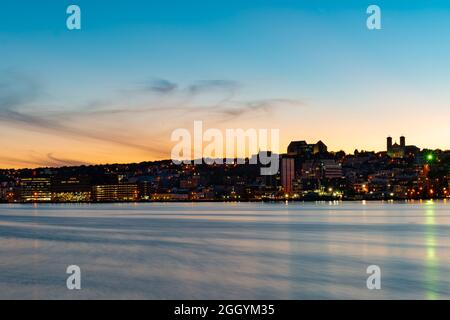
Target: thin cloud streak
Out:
[67,162]
[18,92]
[20,98]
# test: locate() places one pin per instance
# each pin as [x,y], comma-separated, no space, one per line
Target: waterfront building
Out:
[116,192]
[170,196]
[7,191]
[71,189]
[35,190]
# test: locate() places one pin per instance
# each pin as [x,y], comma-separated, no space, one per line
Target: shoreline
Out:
[236,201]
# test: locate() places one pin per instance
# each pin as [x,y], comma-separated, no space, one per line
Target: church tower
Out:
[402,141]
[389,143]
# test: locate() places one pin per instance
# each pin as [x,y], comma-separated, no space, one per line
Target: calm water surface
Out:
[226,251]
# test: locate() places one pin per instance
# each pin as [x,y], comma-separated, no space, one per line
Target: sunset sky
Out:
[115,90]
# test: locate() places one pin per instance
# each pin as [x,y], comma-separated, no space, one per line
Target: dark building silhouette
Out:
[301,148]
[320,148]
[402,141]
[400,150]
[389,143]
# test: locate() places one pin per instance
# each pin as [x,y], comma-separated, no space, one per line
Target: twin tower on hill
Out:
[400,150]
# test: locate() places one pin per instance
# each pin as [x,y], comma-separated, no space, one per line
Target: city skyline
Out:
[392,146]
[307,171]
[113,91]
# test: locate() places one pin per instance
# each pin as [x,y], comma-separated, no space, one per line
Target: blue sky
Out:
[361,84]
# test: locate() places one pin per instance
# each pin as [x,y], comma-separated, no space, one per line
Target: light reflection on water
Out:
[226,251]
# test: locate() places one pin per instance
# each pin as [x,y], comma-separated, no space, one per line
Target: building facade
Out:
[116,192]
[35,190]
[287,174]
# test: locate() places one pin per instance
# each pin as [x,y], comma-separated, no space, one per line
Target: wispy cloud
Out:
[35,159]
[161,86]
[187,100]
[18,107]
[66,162]
[213,85]
[160,100]
[6,161]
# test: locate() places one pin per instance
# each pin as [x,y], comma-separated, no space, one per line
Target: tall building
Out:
[287,174]
[35,190]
